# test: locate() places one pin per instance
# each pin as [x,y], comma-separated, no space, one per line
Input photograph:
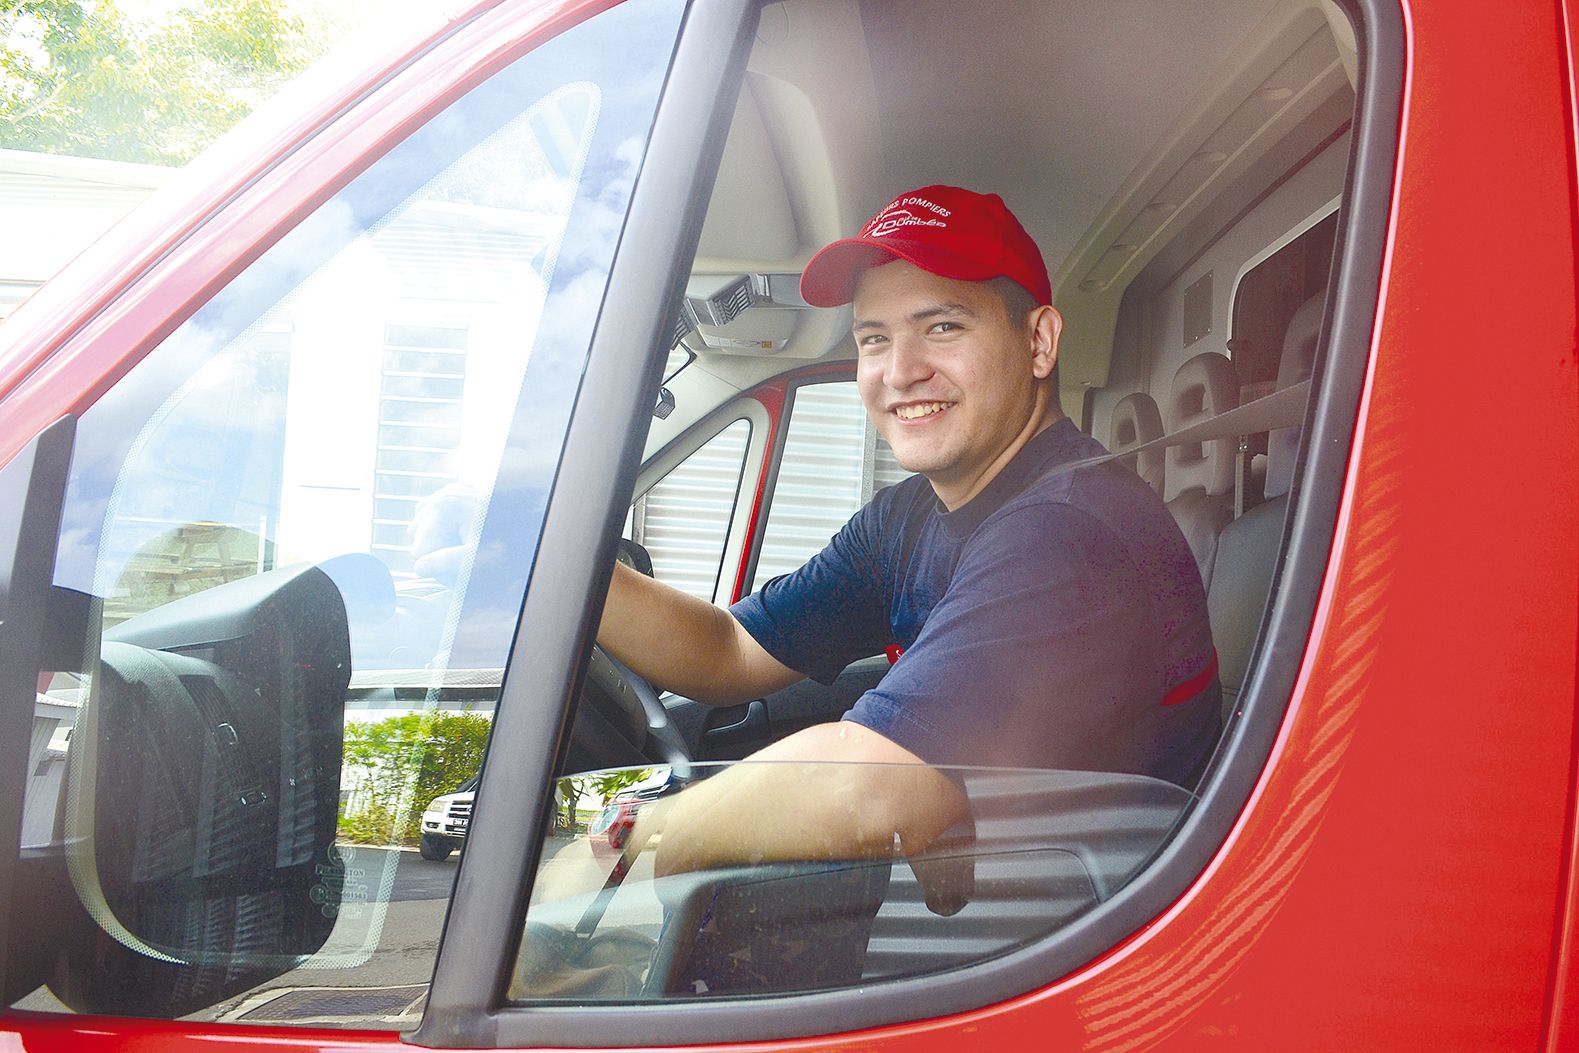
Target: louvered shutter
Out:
[683,520]
[833,462]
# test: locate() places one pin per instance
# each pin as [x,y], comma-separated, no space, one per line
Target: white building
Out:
[52,207]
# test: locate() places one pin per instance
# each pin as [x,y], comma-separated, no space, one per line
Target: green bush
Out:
[407,761]
[374,825]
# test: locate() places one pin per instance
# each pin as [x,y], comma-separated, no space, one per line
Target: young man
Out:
[1049,611]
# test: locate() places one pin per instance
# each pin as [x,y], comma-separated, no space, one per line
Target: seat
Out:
[1199,478]
[1136,421]
[1247,549]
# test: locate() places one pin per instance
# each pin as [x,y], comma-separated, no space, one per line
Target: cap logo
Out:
[948,231]
[897,217]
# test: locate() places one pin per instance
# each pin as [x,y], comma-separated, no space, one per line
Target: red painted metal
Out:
[1562,1026]
[52,1033]
[771,396]
[1403,875]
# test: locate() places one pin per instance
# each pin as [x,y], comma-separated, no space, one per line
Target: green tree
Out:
[456,742]
[401,763]
[78,77]
[605,784]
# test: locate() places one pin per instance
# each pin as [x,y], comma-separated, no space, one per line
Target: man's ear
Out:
[1046,325]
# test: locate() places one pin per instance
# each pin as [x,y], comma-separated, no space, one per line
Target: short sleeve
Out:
[830,612]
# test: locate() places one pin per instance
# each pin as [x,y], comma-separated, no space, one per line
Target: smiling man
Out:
[1049,612]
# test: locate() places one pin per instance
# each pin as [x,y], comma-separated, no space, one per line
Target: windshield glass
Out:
[295,543]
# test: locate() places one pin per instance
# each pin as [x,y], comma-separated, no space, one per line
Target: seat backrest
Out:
[1246,563]
[1204,387]
[1199,479]
[1136,421]
[1297,363]
[1239,590]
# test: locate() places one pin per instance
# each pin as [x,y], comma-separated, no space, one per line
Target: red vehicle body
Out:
[1404,872]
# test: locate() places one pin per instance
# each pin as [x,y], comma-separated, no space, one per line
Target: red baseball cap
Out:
[949,231]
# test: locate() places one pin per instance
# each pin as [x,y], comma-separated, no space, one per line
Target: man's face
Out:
[953,383]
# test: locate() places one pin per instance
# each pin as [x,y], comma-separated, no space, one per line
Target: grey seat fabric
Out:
[1241,583]
[1136,421]
[1297,363]
[1199,480]
[1247,549]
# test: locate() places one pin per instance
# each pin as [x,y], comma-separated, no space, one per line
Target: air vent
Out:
[714,300]
[717,301]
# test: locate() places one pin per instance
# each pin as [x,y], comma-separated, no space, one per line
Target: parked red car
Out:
[348,421]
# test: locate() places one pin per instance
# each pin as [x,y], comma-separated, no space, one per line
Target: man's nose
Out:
[908,363]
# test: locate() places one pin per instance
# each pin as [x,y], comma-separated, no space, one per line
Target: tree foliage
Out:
[400,764]
[78,77]
[605,784]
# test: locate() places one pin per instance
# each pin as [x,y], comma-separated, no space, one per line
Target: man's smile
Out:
[918,410]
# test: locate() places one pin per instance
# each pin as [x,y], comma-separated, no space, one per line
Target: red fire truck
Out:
[349,422]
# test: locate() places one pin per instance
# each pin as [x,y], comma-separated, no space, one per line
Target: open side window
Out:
[830,463]
[573,926]
[688,520]
[618,928]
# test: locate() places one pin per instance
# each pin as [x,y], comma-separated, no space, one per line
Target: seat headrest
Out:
[1136,421]
[1297,363]
[1204,387]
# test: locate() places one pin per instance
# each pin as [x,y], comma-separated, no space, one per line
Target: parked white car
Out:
[444,822]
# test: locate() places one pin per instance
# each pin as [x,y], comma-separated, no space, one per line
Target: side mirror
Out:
[205,778]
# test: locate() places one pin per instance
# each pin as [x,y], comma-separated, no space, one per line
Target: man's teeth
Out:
[921,409]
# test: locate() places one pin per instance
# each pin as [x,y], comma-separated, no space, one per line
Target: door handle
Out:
[733,723]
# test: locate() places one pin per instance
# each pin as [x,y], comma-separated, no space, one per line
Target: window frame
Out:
[608,426]
[790,385]
[693,439]
[465,1006]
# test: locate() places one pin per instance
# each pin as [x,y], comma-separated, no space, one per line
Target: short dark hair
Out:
[1018,303]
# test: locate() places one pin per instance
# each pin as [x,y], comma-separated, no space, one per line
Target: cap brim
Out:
[830,277]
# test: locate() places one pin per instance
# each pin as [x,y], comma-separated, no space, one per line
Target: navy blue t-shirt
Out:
[1056,620]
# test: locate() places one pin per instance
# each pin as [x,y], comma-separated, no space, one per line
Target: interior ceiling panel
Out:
[1050,104]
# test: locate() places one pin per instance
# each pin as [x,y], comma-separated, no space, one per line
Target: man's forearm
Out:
[829,793]
[684,644]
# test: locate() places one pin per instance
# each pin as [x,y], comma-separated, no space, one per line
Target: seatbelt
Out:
[1284,408]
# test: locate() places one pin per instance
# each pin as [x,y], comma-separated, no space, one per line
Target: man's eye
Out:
[871,340]
[945,327]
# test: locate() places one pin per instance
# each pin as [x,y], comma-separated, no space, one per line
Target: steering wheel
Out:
[631,695]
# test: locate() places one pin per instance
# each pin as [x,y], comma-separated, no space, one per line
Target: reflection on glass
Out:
[695,883]
[294,547]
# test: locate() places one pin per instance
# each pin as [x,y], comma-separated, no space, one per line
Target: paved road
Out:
[417,878]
